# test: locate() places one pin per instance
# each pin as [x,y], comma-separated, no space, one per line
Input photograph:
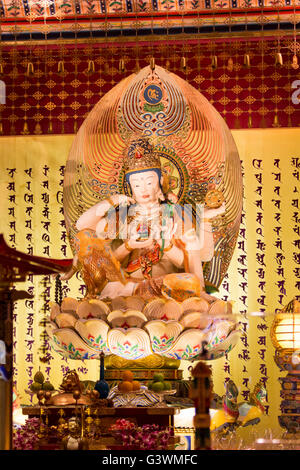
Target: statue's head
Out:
[143,172]
[73,424]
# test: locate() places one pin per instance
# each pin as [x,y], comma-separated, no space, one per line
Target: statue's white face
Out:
[145,187]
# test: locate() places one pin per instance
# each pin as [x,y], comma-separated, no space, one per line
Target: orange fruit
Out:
[127,375]
[136,385]
[125,386]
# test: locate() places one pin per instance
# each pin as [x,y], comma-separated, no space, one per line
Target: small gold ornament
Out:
[25,130]
[276,121]
[183,63]
[278,59]
[295,64]
[246,60]
[214,199]
[249,121]
[40,395]
[76,395]
[91,66]
[214,62]
[61,67]
[152,63]
[230,64]
[30,69]
[37,131]
[121,65]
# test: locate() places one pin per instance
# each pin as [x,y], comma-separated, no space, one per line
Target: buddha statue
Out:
[128,243]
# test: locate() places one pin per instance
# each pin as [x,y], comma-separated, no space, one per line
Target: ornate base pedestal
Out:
[144,369]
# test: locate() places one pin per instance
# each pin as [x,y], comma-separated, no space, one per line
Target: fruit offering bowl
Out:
[132,328]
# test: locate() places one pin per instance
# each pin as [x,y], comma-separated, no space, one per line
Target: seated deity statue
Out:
[128,243]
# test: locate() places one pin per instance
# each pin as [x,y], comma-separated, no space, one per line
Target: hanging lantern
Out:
[278,59]
[286,331]
[183,63]
[30,69]
[121,65]
[246,60]
[214,62]
[152,63]
[91,66]
[61,67]
[295,64]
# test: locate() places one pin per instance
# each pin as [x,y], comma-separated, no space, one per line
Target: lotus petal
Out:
[220,307]
[219,350]
[195,304]
[114,314]
[134,302]
[71,345]
[118,303]
[163,309]
[69,305]
[163,334]
[131,344]
[188,346]
[101,305]
[94,332]
[50,328]
[93,309]
[54,310]
[218,332]
[195,320]
[128,319]
[65,320]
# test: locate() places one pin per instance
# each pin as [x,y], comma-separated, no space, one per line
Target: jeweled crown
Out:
[141,156]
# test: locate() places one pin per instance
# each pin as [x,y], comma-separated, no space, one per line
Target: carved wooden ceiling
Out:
[52,19]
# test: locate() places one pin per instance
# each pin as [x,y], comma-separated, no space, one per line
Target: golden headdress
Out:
[141,156]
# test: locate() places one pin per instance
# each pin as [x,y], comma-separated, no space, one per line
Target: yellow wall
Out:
[262,275]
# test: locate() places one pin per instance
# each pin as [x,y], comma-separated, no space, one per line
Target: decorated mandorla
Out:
[152,200]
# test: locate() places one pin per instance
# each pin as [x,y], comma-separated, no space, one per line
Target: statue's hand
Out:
[211,213]
[117,200]
[191,241]
[135,244]
[122,200]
